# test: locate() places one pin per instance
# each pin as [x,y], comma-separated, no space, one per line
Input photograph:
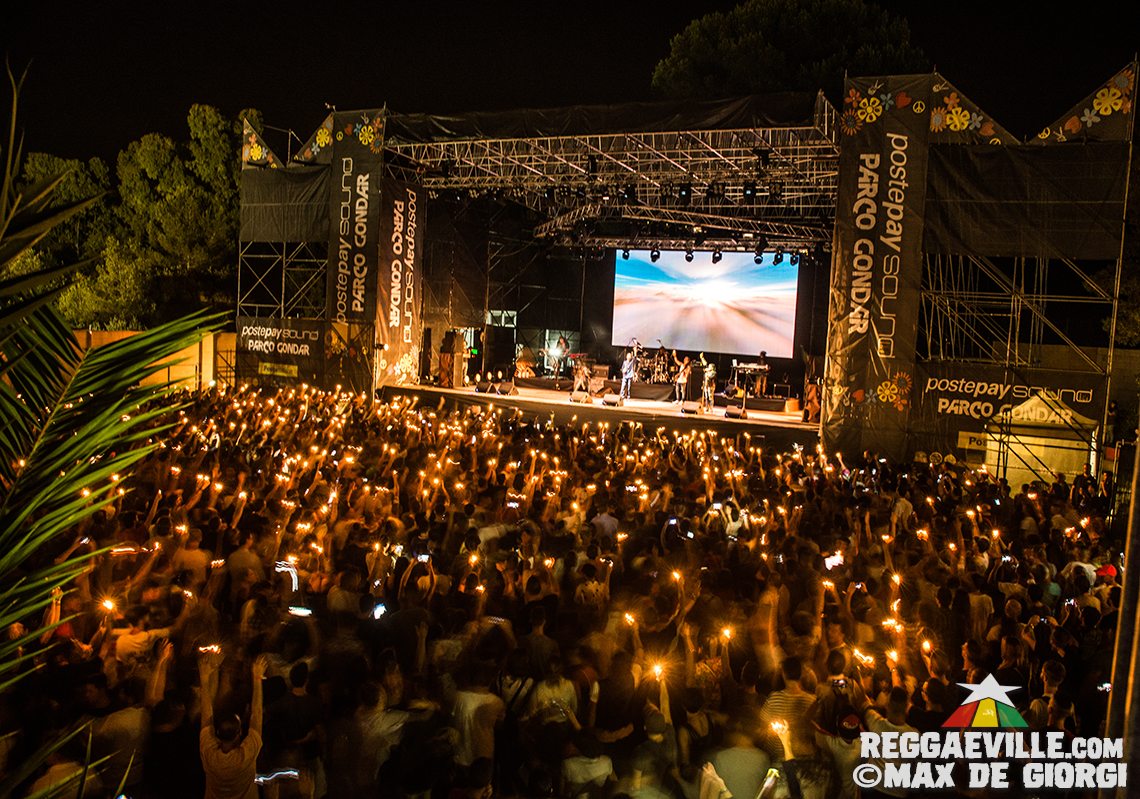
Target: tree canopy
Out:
[166,217]
[764,46]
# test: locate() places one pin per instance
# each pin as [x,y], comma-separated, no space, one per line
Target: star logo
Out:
[988,705]
[988,689]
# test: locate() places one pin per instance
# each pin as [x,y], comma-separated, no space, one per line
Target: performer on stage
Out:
[708,386]
[628,371]
[581,375]
[681,386]
[762,375]
[560,351]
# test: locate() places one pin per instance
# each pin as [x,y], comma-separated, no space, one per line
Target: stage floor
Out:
[778,429]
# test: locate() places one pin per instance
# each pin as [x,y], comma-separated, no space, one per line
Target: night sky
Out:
[103,74]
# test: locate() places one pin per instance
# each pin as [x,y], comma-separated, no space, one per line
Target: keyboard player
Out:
[762,374]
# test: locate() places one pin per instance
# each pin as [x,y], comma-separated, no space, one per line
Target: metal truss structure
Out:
[728,187]
[1004,313]
[282,279]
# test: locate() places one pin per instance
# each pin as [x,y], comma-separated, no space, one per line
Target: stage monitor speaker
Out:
[690,407]
[506,387]
[735,412]
[484,387]
[613,400]
[581,396]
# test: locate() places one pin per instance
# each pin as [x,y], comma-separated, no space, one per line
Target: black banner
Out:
[957,402]
[354,213]
[877,272]
[272,350]
[398,323]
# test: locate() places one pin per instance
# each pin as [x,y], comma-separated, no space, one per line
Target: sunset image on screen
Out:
[735,306]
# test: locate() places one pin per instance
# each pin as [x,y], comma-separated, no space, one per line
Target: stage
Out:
[777,428]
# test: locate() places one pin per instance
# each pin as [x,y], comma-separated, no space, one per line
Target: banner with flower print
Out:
[955,119]
[398,325]
[318,149]
[877,272]
[354,216]
[255,153]
[1105,115]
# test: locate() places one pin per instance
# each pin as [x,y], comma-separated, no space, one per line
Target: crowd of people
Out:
[311,594]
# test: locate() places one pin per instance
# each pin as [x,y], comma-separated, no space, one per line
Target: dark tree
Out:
[764,46]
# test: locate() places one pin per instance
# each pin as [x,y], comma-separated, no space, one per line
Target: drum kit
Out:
[654,366]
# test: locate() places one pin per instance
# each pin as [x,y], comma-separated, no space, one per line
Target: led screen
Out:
[735,306]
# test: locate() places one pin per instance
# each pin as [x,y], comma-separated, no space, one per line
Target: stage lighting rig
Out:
[779,259]
[654,254]
[716,256]
[689,254]
[625,254]
[794,260]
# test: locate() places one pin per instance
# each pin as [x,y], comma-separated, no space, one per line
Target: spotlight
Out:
[625,255]
[758,257]
[548,193]
[689,254]
[794,260]
[629,193]
[750,190]
[779,259]
[684,193]
[654,254]
[716,256]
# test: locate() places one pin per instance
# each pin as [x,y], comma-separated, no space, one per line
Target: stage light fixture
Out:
[625,255]
[591,165]
[758,257]
[654,254]
[685,193]
[716,256]
[779,259]
[629,193]
[689,254]
[749,190]
[794,260]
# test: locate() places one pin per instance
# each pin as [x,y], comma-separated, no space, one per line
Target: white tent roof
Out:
[1043,412]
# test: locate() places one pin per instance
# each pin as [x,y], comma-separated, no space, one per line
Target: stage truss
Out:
[732,189]
[1002,312]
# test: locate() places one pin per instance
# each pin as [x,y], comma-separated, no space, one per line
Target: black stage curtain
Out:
[285,204]
[1065,200]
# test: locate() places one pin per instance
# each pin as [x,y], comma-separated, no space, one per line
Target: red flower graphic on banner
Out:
[951,100]
[902,100]
[1072,124]
[853,97]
